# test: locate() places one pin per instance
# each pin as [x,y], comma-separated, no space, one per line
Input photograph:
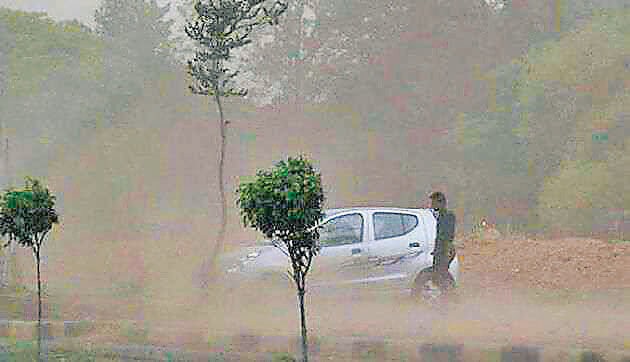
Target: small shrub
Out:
[134,334]
[282,357]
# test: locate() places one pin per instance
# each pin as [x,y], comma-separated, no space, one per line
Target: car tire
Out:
[425,291]
[420,286]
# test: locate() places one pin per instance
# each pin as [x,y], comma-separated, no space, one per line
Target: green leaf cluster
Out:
[61,82]
[559,129]
[218,29]
[27,215]
[580,196]
[41,47]
[591,66]
[284,202]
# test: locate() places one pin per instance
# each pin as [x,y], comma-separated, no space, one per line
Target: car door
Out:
[397,237]
[343,256]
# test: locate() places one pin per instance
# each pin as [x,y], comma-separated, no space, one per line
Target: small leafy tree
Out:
[26,217]
[220,27]
[285,204]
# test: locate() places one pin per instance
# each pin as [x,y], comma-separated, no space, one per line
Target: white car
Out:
[362,246]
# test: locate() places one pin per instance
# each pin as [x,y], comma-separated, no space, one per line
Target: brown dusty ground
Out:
[581,265]
[569,293]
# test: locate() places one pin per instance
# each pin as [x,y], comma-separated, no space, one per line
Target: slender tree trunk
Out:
[209,267]
[301,293]
[223,222]
[4,282]
[39,309]
[39,292]
[300,65]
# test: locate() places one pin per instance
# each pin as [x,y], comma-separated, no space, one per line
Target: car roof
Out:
[332,212]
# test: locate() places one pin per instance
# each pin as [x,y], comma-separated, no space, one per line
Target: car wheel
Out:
[425,289]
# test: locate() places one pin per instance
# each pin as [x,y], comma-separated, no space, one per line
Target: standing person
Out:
[444,251]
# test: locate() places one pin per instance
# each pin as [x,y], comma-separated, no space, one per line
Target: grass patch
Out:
[134,334]
[220,343]
[62,355]
[75,329]
[282,357]
[127,290]
[561,296]
[618,241]
[27,351]
[19,351]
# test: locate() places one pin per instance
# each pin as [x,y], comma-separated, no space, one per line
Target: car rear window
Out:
[391,225]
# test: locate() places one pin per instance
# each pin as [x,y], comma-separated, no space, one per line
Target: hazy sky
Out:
[57,9]
[82,10]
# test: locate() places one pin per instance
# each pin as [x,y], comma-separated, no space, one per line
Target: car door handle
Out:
[356,251]
[414,245]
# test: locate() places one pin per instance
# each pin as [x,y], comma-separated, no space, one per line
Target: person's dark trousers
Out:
[445,234]
[446,280]
[441,263]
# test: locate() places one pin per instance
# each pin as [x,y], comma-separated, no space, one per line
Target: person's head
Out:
[438,200]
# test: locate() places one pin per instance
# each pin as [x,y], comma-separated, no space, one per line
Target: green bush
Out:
[284,203]
[134,334]
[586,197]
[282,357]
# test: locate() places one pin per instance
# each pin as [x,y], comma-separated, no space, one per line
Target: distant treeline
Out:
[548,151]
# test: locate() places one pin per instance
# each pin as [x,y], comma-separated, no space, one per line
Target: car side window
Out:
[342,230]
[409,222]
[390,225]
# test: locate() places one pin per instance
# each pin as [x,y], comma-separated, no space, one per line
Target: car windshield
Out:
[332,212]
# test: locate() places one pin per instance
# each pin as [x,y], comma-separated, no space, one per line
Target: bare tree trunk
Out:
[301,293]
[9,255]
[223,223]
[209,268]
[300,65]
[301,284]
[219,246]
[39,309]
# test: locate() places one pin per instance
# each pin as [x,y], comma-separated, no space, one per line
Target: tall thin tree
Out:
[285,204]
[26,217]
[6,43]
[218,28]
[6,40]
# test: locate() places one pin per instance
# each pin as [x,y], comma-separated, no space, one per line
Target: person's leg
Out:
[451,257]
[445,277]
[449,281]
[441,271]
[436,269]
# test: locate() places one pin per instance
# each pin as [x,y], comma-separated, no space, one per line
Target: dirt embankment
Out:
[579,265]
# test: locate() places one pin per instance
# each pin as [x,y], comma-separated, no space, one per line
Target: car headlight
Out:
[242,261]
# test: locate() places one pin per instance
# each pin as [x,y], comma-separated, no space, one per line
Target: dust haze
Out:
[137,190]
